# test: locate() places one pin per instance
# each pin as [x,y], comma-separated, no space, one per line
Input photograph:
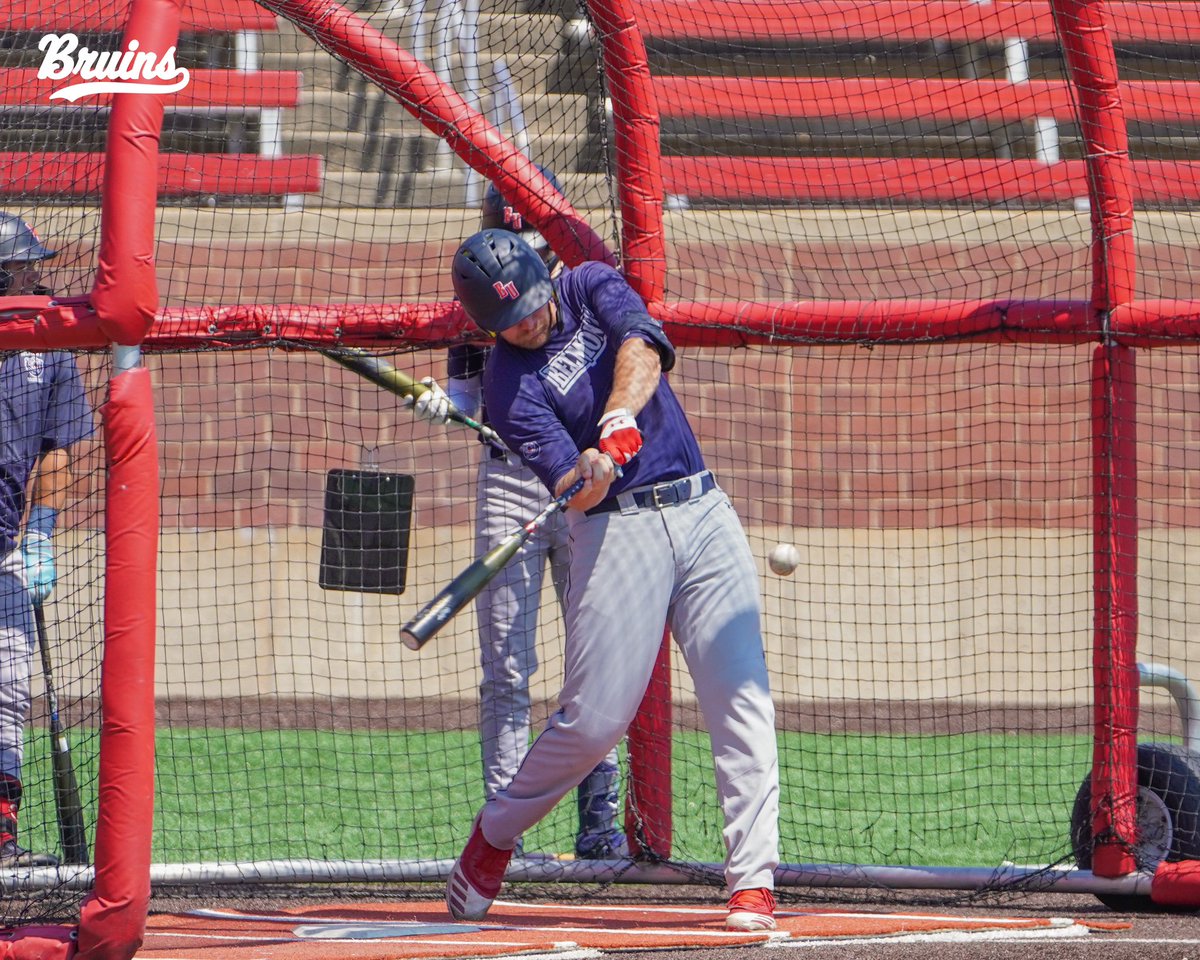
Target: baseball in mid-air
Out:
[784,558]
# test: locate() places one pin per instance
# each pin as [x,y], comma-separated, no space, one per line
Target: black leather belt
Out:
[659,495]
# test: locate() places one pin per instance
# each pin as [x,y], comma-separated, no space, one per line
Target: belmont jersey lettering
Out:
[575,359]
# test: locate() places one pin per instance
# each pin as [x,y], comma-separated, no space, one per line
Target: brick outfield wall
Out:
[928,436]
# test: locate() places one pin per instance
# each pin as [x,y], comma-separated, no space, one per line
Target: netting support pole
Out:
[125,292]
[112,921]
[1115,675]
[638,159]
[1091,64]
[113,918]
[638,153]
[648,821]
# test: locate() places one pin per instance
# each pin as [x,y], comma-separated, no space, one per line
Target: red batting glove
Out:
[620,437]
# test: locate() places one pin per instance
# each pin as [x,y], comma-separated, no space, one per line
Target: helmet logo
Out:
[505,290]
[513,219]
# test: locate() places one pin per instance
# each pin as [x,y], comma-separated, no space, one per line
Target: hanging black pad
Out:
[364,546]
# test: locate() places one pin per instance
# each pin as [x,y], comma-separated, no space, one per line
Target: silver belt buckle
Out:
[655,499]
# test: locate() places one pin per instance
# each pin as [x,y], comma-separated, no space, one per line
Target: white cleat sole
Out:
[463,901]
[749,922]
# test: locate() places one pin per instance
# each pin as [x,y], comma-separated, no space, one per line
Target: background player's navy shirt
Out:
[42,408]
[545,403]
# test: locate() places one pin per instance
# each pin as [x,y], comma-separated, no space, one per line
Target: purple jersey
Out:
[42,408]
[545,403]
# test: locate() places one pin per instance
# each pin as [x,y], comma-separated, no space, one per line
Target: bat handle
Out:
[482,429]
[561,500]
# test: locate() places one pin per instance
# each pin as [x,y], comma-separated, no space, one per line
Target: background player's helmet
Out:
[498,214]
[500,279]
[19,244]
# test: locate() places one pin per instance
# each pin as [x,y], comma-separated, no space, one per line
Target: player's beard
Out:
[534,335]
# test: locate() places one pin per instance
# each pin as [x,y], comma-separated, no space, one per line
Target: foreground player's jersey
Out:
[545,403]
[42,408]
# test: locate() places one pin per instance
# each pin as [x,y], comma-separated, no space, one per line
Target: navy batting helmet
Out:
[498,214]
[19,244]
[500,279]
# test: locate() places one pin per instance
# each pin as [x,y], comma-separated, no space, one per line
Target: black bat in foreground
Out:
[383,374]
[66,788]
[455,595]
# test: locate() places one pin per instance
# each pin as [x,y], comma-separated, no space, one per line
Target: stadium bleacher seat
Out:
[745,122]
[202,16]
[203,145]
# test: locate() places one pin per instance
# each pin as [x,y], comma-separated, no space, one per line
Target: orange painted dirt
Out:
[399,931]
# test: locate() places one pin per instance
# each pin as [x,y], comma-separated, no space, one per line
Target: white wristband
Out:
[612,415]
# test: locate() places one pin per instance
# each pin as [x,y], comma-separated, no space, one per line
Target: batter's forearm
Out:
[635,378]
[52,479]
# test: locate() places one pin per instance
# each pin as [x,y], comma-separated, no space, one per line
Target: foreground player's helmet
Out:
[500,279]
[499,214]
[19,244]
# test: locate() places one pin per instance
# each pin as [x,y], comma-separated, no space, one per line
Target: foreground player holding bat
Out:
[43,413]
[575,385]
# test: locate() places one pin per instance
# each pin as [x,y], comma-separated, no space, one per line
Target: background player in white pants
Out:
[42,413]
[507,494]
[575,384]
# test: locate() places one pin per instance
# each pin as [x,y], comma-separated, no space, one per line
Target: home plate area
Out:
[397,931]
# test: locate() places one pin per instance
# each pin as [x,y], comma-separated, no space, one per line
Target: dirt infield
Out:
[1096,932]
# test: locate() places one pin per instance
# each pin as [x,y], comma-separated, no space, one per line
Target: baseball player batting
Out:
[575,385]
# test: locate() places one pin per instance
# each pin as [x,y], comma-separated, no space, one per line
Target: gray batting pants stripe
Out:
[16,658]
[689,566]
[507,495]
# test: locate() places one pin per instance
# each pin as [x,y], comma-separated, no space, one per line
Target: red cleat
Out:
[476,877]
[751,910]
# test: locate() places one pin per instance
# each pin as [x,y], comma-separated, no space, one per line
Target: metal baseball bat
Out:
[71,830]
[455,595]
[383,374]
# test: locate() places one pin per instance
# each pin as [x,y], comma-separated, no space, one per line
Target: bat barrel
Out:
[459,591]
[421,628]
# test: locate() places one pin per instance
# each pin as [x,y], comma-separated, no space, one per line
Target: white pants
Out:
[16,661]
[688,566]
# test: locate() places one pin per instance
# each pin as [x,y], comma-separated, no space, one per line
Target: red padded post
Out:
[125,293]
[113,918]
[1092,67]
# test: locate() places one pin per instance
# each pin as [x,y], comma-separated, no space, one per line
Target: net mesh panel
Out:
[849,114]
[931,655]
